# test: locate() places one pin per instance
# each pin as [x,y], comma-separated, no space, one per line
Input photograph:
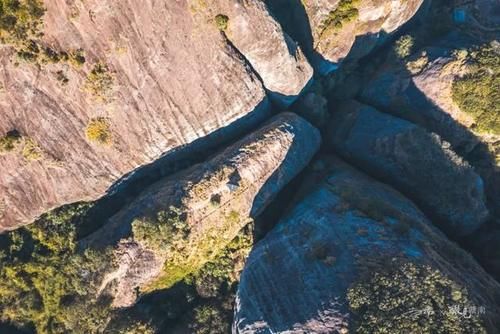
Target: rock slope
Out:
[179,223]
[415,161]
[113,85]
[354,255]
[336,29]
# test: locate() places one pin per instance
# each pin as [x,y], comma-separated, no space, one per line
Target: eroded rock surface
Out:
[336,29]
[354,253]
[213,201]
[142,79]
[415,161]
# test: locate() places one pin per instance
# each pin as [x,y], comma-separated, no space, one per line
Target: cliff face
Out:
[207,205]
[126,82]
[415,161]
[329,267]
[339,29]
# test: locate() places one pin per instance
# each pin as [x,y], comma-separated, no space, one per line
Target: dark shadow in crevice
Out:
[294,20]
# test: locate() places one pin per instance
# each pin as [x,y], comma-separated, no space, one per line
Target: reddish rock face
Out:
[164,75]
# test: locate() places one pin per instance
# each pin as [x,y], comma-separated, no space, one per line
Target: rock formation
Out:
[354,255]
[336,29]
[415,161]
[180,223]
[112,86]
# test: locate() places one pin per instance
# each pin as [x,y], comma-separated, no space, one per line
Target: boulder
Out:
[332,30]
[417,162]
[356,256]
[102,88]
[178,224]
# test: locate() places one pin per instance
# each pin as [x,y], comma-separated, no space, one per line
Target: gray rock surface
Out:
[415,161]
[300,278]
[245,177]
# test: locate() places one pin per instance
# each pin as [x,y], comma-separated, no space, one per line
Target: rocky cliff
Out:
[180,223]
[332,30]
[99,89]
[354,255]
[418,162]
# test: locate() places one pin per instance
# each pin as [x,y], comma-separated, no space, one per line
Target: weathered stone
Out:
[354,38]
[305,275]
[217,199]
[171,77]
[415,161]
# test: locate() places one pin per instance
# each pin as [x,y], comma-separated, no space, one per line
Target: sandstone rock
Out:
[332,35]
[214,199]
[415,161]
[304,276]
[150,76]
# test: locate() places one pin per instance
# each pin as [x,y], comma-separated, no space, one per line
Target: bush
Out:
[221,21]
[209,320]
[46,283]
[478,92]
[9,142]
[410,298]
[404,45]
[345,13]
[98,131]
[100,82]
[163,233]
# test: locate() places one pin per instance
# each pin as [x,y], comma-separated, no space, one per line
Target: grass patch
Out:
[31,150]
[99,131]
[478,92]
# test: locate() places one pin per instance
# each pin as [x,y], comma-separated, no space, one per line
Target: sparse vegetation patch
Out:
[100,82]
[345,13]
[9,142]
[221,21]
[99,131]
[478,92]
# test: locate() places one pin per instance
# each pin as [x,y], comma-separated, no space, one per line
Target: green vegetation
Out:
[169,230]
[345,13]
[46,283]
[224,269]
[221,22]
[100,82]
[411,298]
[98,131]
[9,142]
[478,92]
[20,22]
[209,320]
[403,46]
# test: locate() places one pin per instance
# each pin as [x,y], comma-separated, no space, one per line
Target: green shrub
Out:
[99,131]
[410,298]
[168,230]
[221,21]
[345,13]
[209,320]
[403,46]
[9,142]
[45,282]
[478,92]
